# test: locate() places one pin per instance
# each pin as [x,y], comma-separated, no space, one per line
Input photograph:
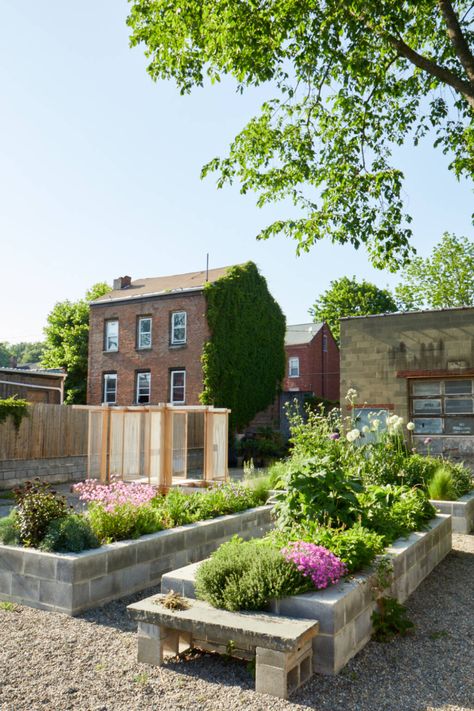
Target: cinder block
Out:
[271,680]
[120,556]
[25,587]
[5,583]
[40,565]
[57,595]
[12,559]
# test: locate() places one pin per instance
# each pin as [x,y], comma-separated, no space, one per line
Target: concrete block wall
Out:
[57,470]
[344,610]
[76,582]
[461,512]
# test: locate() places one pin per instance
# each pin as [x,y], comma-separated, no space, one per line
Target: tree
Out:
[5,355]
[348,297]
[244,365]
[443,280]
[352,80]
[67,341]
[25,352]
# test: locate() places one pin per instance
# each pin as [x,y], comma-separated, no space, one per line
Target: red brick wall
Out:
[159,359]
[319,370]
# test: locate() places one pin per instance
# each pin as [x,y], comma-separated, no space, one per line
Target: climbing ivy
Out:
[244,360]
[14,408]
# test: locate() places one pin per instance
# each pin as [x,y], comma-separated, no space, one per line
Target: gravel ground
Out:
[50,661]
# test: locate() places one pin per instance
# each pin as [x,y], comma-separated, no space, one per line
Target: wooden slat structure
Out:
[49,431]
[162,444]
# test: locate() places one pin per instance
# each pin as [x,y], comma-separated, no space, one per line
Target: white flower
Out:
[353,435]
[375,424]
[365,429]
[410,426]
[351,396]
[394,422]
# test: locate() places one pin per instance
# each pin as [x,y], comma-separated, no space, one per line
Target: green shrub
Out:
[123,521]
[37,506]
[247,575]
[418,469]
[266,444]
[441,486]
[394,511]
[461,478]
[71,534]
[276,473]
[9,530]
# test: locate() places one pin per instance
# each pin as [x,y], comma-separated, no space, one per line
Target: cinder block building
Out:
[146,339]
[419,365]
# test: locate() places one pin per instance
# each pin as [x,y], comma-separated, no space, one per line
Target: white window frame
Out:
[109,336]
[174,327]
[139,386]
[172,386]
[107,377]
[294,360]
[142,319]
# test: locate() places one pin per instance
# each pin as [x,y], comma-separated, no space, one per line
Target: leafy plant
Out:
[9,530]
[37,506]
[123,521]
[247,575]
[15,408]
[390,619]
[395,511]
[319,490]
[71,534]
[441,486]
[264,445]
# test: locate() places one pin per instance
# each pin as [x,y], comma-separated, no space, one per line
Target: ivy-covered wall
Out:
[244,361]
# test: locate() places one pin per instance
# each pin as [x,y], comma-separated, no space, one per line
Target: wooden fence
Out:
[162,444]
[49,431]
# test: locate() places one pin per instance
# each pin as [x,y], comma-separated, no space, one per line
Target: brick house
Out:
[419,365]
[146,339]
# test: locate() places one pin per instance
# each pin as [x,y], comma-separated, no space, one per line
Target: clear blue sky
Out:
[99,174]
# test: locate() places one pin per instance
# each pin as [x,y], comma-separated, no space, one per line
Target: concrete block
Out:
[25,587]
[80,597]
[12,559]
[40,565]
[120,555]
[5,583]
[55,594]
[271,680]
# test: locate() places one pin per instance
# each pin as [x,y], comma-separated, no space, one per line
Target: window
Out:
[294,368]
[178,327]
[111,335]
[143,388]
[144,332]
[178,387]
[109,395]
[442,406]
[325,343]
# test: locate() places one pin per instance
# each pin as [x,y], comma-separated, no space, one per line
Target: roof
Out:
[301,333]
[53,373]
[414,311]
[159,286]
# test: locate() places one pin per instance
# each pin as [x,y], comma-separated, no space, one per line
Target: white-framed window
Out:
[442,406]
[294,367]
[109,395]
[325,343]
[143,391]
[144,332]
[177,387]
[111,339]
[178,327]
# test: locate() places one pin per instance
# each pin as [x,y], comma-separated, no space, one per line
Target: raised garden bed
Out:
[344,610]
[75,582]
[462,512]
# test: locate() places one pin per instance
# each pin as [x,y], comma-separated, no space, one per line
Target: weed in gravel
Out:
[141,678]
[439,634]
[9,606]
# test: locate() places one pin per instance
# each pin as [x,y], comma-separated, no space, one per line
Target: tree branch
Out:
[457,38]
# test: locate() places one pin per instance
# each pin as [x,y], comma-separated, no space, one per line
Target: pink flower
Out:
[315,562]
[428,440]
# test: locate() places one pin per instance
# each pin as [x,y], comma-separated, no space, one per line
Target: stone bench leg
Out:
[154,642]
[280,673]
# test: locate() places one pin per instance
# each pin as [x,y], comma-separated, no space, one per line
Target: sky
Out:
[100,174]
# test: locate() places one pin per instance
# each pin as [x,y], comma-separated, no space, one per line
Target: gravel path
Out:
[52,662]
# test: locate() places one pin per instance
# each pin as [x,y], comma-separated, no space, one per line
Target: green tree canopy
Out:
[67,341]
[348,297]
[351,81]
[26,352]
[244,359]
[442,280]
[5,355]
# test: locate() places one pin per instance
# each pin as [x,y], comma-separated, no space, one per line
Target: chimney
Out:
[122,282]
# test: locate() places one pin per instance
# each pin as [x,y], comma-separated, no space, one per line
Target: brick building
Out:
[32,385]
[146,339]
[419,365]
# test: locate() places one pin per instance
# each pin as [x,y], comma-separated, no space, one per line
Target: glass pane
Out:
[145,340]
[179,334]
[431,425]
[426,387]
[458,387]
[427,407]
[112,328]
[458,406]
[178,379]
[459,425]
[179,319]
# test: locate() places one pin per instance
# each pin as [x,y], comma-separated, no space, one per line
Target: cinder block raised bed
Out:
[462,512]
[76,582]
[344,610]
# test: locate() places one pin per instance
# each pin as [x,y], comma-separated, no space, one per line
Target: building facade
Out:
[146,339]
[419,365]
[32,385]
[312,361]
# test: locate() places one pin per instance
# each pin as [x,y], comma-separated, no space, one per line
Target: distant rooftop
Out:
[52,372]
[301,333]
[414,311]
[157,286]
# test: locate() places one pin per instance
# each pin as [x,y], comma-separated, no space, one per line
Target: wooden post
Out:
[104,454]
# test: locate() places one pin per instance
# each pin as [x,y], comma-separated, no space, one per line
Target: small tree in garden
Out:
[243,365]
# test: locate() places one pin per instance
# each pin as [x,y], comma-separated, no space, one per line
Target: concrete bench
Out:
[281,646]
